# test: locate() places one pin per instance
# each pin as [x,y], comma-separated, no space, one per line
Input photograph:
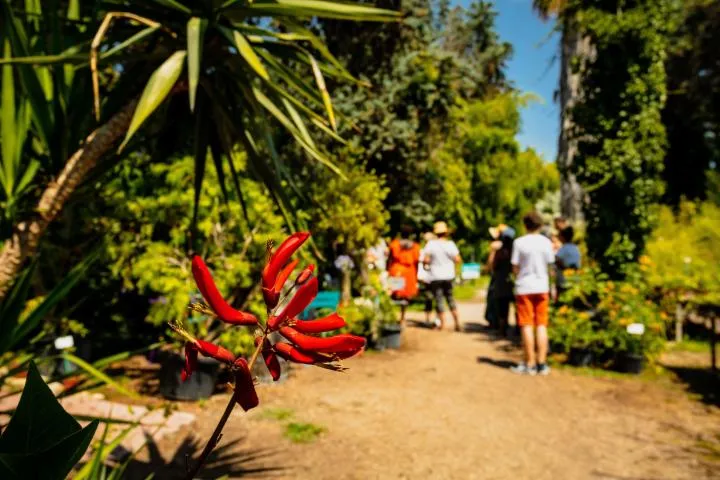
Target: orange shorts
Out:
[532,309]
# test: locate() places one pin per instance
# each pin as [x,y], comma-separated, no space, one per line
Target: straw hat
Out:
[440,228]
[496,231]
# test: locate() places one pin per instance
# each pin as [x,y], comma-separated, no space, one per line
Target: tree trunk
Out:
[26,235]
[573,46]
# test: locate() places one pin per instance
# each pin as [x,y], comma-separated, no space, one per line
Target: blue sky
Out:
[532,69]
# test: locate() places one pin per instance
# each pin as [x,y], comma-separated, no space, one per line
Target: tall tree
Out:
[692,113]
[574,48]
[438,57]
[618,127]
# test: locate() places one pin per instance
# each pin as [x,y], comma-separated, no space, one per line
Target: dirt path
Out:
[446,407]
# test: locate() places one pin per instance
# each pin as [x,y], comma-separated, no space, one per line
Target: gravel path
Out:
[446,407]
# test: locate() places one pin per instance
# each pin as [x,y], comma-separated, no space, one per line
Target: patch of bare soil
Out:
[445,406]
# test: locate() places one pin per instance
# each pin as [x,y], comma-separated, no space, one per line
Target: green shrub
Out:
[596,313]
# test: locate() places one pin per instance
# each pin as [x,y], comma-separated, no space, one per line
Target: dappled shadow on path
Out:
[504,364]
[610,476]
[701,381]
[419,324]
[227,459]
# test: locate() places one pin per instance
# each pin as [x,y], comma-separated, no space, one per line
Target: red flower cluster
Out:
[304,347]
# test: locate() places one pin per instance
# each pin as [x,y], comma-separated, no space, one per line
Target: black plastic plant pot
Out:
[630,363]
[200,385]
[580,357]
[390,336]
[374,343]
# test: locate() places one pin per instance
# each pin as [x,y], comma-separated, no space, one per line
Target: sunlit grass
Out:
[303,432]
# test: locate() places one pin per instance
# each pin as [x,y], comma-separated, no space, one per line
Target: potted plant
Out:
[582,337]
[172,362]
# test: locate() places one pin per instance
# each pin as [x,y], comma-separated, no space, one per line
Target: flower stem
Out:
[215,437]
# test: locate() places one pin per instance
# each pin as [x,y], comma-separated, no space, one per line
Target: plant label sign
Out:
[63,343]
[636,329]
[470,271]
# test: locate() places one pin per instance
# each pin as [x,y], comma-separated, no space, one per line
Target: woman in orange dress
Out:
[403,263]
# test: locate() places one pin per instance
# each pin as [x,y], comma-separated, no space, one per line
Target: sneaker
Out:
[436,323]
[543,369]
[523,369]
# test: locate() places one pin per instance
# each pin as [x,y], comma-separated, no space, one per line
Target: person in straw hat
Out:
[441,255]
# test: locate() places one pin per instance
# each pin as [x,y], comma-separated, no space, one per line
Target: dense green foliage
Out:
[486,177]
[439,58]
[692,112]
[621,138]
[597,312]
[683,256]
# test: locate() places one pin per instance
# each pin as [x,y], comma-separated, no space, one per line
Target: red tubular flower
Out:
[191,356]
[212,296]
[292,354]
[271,361]
[319,325]
[214,351]
[305,294]
[335,344]
[245,394]
[279,258]
[305,274]
[272,295]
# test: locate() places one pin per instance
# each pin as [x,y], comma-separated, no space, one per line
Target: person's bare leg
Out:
[441,316]
[402,315]
[456,318]
[528,339]
[542,344]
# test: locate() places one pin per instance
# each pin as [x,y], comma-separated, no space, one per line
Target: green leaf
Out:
[29,77]
[126,43]
[13,305]
[323,90]
[94,372]
[55,295]
[216,153]
[7,124]
[247,52]
[174,5]
[156,90]
[42,440]
[282,118]
[317,44]
[92,469]
[201,148]
[218,145]
[313,8]
[195,35]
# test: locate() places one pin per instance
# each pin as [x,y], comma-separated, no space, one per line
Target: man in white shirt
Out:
[440,256]
[531,257]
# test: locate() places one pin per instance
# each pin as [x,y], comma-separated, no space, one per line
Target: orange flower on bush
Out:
[283,308]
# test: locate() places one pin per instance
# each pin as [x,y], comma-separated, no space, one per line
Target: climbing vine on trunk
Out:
[618,126]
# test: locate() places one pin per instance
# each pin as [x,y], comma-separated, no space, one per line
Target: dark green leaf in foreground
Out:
[42,440]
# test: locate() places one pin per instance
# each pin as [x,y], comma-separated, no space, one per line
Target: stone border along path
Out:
[152,424]
[446,407]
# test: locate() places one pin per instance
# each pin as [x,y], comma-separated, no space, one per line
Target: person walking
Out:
[567,257]
[441,258]
[425,280]
[501,269]
[532,254]
[403,264]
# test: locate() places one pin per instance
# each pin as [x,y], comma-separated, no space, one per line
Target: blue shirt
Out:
[569,256]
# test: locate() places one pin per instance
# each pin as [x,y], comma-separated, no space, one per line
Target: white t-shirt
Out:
[532,254]
[423,274]
[442,258]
